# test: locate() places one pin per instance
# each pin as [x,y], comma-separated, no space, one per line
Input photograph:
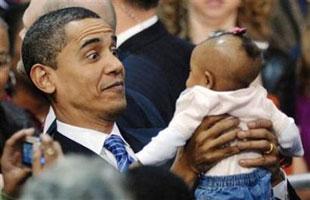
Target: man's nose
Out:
[114,66]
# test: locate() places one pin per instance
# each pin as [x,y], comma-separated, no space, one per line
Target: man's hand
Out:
[208,145]
[14,173]
[50,150]
[260,138]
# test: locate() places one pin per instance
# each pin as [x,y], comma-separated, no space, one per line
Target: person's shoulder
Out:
[181,44]
[16,116]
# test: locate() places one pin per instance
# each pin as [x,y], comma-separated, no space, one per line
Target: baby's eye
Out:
[93,55]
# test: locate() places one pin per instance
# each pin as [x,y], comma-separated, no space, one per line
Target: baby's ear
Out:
[209,80]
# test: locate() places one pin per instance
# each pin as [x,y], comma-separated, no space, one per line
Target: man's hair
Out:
[144,4]
[46,37]
[78,178]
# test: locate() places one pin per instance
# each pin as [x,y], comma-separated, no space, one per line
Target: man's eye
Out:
[114,50]
[93,56]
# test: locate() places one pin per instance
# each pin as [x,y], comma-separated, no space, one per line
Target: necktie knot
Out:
[116,146]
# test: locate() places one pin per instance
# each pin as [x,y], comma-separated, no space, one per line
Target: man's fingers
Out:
[36,160]
[260,123]
[213,157]
[218,129]
[58,148]
[19,136]
[51,150]
[211,120]
[225,138]
[225,152]
[46,140]
[259,145]
[257,134]
[263,161]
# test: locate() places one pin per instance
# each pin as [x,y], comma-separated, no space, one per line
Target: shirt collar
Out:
[50,118]
[88,138]
[122,37]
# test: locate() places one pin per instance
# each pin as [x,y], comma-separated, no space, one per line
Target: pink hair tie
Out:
[238,31]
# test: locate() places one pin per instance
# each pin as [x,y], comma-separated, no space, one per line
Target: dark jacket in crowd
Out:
[157,66]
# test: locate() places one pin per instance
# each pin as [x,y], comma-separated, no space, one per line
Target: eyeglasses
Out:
[5,60]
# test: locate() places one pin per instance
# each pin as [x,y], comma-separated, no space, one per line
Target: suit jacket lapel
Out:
[68,146]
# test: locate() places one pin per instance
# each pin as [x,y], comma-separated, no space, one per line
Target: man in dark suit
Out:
[162,75]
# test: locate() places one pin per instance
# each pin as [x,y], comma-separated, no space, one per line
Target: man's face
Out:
[4,60]
[89,77]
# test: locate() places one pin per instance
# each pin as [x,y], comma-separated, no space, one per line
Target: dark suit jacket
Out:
[157,66]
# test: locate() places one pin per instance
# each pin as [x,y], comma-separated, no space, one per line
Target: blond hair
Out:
[252,14]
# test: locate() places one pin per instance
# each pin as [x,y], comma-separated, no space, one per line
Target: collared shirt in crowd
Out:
[122,37]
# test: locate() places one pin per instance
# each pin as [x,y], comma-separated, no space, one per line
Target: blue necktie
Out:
[116,146]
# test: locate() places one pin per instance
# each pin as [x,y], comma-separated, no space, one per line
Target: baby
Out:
[222,69]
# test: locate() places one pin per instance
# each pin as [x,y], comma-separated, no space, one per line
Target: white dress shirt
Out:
[50,118]
[122,37]
[93,140]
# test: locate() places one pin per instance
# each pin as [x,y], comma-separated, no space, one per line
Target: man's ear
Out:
[209,80]
[41,76]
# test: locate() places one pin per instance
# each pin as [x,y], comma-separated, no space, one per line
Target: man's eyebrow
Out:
[90,41]
[114,39]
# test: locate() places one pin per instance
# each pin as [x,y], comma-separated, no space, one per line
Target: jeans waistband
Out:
[247,179]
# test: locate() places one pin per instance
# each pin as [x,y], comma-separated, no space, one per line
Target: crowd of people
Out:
[153,99]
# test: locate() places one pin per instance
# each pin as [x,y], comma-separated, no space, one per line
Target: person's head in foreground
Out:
[153,183]
[69,54]
[78,178]
[224,62]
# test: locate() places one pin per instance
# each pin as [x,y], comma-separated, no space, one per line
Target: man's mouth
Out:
[118,85]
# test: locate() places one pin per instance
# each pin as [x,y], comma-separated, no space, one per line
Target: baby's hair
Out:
[247,43]
[242,70]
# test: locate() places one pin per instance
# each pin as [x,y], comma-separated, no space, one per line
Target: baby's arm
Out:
[191,107]
[286,131]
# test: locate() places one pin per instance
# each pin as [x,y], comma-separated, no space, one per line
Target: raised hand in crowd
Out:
[48,149]
[15,173]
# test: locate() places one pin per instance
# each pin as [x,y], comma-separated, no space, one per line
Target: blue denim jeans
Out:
[255,185]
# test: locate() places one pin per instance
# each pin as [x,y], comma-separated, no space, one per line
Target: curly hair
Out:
[252,14]
[305,40]
[304,72]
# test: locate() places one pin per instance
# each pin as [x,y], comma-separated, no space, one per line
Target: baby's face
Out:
[196,75]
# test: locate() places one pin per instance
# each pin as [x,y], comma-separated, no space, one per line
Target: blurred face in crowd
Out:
[4,60]
[32,13]
[214,9]
[36,9]
[89,78]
